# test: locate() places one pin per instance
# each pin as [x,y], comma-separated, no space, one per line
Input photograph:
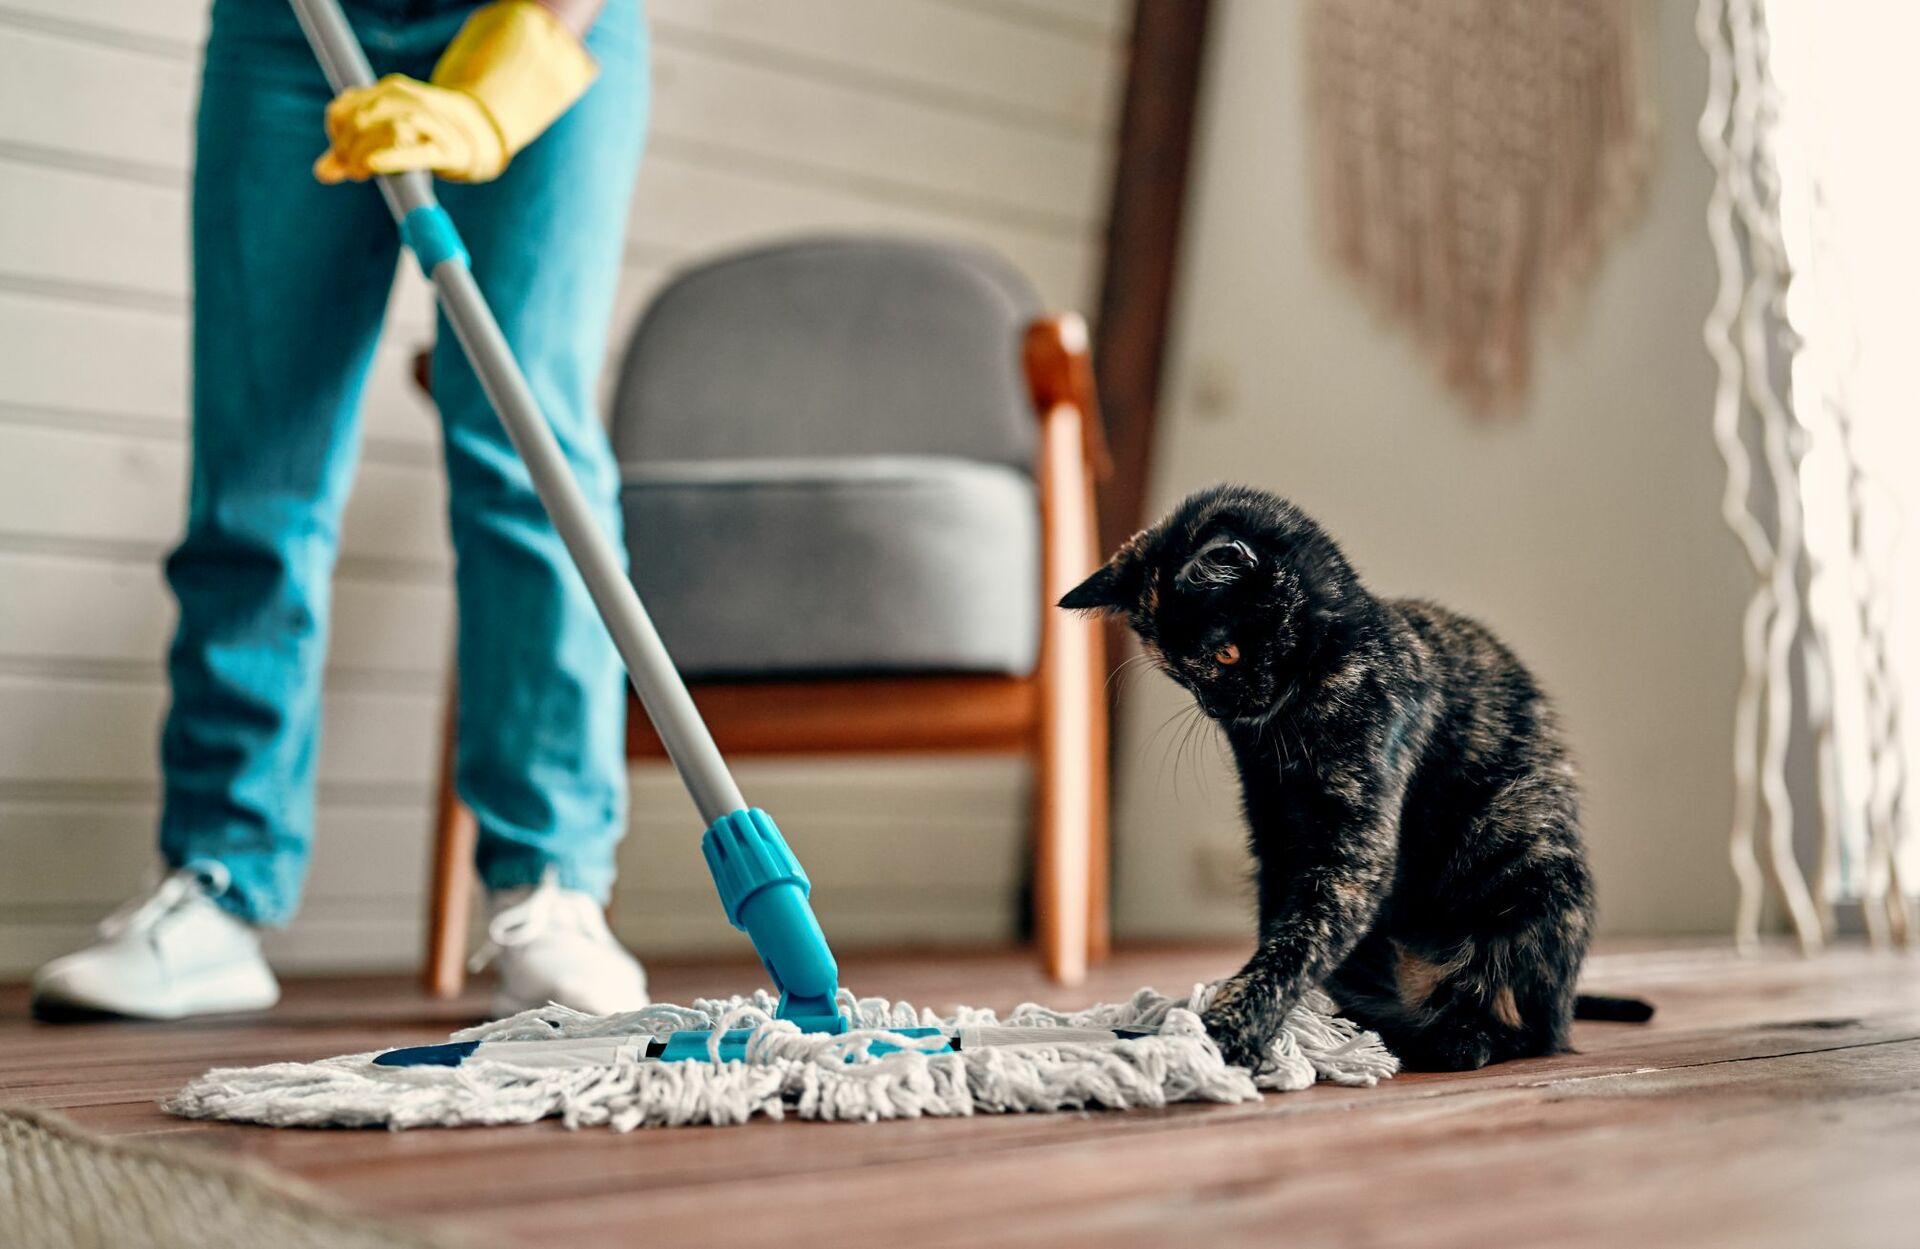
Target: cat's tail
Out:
[1612,1009]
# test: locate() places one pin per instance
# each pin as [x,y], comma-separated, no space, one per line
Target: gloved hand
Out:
[509,74]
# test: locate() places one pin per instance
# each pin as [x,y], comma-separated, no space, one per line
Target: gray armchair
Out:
[857,473]
[827,451]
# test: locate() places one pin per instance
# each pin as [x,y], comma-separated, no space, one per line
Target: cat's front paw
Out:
[1241,1020]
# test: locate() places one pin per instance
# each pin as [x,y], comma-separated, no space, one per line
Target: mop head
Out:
[808,1075]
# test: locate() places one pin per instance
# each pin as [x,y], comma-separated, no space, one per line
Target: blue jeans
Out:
[290,286]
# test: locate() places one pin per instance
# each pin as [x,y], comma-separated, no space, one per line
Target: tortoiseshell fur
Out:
[1410,805]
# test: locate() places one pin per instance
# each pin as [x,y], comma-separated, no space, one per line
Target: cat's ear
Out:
[1114,587]
[1222,561]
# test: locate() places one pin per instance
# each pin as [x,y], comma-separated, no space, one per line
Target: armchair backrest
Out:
[832,347]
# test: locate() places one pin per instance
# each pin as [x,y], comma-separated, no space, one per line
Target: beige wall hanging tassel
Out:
[1472,156]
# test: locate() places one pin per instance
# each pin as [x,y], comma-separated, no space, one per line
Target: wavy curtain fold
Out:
[1796,499]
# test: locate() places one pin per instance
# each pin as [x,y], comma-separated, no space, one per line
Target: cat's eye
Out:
[1226,655]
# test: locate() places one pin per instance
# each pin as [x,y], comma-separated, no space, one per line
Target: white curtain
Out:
[1818,418]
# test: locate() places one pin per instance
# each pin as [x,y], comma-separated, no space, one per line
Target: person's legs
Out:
[541,703]
[290,282]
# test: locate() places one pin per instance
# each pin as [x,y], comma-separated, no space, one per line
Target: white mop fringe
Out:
[808,1075]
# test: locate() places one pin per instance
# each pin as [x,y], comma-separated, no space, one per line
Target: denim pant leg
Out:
[542,704]
[290,281]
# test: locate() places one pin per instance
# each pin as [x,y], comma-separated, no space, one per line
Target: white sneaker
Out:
[167,955]
[553,946]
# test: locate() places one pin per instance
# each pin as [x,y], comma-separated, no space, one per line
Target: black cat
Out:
[1409,801]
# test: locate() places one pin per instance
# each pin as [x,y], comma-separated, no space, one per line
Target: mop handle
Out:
[430,234]
[761,884]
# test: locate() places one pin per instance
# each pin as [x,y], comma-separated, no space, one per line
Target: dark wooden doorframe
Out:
[1150,175]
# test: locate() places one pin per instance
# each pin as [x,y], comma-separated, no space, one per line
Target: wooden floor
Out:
[1774,1102]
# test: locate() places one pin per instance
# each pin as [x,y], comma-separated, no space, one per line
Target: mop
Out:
[809,1048]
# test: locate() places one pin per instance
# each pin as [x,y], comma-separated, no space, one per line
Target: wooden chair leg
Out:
[1099,803]
[451,900]
[1066,780]
[1062,904]
[1071,864]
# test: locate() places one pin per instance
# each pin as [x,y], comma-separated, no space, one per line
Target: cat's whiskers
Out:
[1280,755]
[1186,722]
[1195,735]
[1124,672]
[1177,748]
[1158,729]
[1141,753]
[1272,709]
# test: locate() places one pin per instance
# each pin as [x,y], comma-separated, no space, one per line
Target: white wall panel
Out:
[65,227]
[68,731]
[939,52]
[979,120]
[128,490]
[106,609]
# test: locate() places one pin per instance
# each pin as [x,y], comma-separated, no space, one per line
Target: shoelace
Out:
[548,908]
[202,878]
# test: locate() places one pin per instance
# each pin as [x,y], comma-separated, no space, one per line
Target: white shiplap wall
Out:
[987,120]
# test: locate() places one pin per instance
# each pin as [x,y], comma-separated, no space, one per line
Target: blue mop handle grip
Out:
[765,891]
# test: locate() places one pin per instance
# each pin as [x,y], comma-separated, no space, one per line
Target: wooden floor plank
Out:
[1773,1101]
[1486,1163]
[501,1169]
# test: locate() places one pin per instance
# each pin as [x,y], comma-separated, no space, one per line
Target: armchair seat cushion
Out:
[758,568]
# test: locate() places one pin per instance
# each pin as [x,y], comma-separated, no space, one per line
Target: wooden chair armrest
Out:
[1059,367]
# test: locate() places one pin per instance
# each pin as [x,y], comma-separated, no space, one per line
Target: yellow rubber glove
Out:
[507,76]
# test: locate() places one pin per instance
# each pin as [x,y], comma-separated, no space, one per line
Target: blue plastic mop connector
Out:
[765,892]
[681,1047]
[429,234]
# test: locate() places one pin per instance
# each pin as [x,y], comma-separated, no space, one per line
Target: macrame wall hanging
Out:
[1472,157]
